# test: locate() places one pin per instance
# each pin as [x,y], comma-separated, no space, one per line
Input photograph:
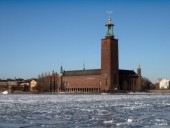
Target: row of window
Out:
[80,83]
[82,89]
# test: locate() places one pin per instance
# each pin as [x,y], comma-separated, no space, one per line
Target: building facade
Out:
[164,84]
[107,79]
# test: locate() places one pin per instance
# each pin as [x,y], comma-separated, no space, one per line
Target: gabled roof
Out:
[82,72]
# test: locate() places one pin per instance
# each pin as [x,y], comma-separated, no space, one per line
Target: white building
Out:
[33,84]
[164,84]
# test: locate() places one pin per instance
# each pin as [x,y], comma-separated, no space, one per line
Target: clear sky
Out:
[41,35]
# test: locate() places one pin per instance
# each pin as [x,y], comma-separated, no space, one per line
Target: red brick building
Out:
[107,79]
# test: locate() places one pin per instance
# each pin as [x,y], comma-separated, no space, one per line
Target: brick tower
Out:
[109,60]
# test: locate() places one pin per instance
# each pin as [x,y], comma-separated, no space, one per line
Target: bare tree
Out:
[146,84]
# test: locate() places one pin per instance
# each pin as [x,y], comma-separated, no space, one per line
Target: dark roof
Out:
[82,72]
[96,72]
[127,72]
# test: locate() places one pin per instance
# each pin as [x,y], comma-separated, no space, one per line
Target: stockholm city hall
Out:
[107,79]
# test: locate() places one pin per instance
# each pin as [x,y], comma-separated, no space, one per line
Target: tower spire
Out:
[109,27]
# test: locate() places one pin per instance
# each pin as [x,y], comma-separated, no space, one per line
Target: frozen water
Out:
[95,111]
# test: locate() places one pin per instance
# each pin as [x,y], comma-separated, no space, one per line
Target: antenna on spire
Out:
[109,12]
[84,66]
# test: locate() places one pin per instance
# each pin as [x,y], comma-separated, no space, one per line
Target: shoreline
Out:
[148,92]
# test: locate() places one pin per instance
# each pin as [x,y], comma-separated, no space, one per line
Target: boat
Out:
[5,92]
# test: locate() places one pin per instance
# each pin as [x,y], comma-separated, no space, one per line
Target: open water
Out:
[78,111]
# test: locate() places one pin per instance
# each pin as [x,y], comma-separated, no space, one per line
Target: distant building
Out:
[18,85]
[164,84]
[3,85]
[24,86]
[8,85]
[107,79]
[33,84]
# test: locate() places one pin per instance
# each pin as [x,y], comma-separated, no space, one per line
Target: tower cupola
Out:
[109,28]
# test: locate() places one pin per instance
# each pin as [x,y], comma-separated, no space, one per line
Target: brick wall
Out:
[87,83]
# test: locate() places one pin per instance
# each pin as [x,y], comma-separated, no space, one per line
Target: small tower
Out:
[61,70]
[139,85]
[139,71]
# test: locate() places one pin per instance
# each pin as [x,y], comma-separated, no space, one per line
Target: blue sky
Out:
[41,35]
